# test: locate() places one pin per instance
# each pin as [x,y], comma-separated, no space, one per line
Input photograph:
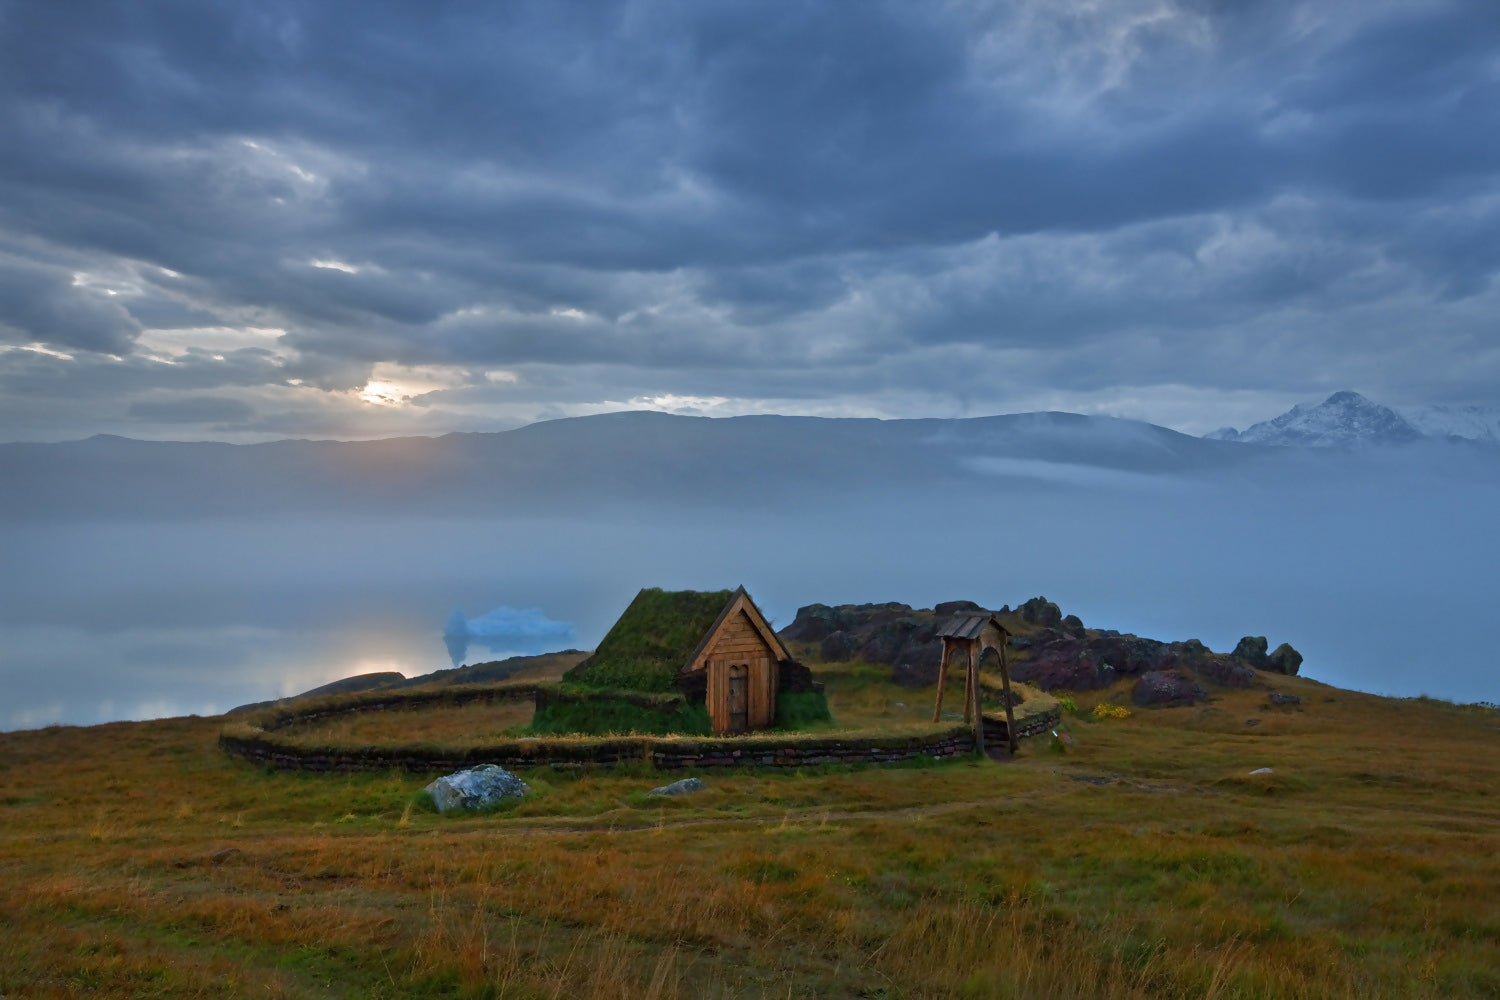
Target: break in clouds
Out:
[245,222]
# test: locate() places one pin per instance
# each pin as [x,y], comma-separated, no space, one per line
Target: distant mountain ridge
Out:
[580,463]
[1467,423]
[615,460]
[1347,419]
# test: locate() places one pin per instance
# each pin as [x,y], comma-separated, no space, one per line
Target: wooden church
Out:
[739,657]
[715,648]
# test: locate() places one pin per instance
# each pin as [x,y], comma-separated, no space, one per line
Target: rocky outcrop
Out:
[1040,611]
[1053,650]
[816,621]
[1132,654]
[1164,689]
[1061,660]
[1225,670]
[1252,649]
[1285,660]
[877,633]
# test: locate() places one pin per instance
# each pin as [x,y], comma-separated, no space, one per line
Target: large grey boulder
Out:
[1285,660]
[1252,649]
[1040,611]
[476,788]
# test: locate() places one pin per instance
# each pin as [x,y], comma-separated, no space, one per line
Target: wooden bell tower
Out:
[974,633]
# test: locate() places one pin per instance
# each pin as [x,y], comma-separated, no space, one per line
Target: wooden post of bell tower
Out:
[974,633]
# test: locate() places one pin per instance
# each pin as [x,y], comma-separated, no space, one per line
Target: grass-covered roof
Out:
[652,640]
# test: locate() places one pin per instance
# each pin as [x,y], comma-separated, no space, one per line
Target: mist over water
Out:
[1380,569]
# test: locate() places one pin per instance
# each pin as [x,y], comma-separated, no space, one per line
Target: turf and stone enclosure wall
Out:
[258,740]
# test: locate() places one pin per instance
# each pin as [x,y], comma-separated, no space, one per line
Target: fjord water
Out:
[1379,566]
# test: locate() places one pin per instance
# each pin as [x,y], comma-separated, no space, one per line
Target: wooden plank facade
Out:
[741,655]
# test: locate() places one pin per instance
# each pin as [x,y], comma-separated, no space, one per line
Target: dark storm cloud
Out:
[1191,192]
[39,303]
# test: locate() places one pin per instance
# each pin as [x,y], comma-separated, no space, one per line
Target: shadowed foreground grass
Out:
[1144,861]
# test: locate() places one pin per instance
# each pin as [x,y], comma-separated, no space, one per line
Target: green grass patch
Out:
[802,710]
[652,640]
[605,713]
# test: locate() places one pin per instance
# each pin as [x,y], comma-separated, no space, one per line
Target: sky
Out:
[234,221]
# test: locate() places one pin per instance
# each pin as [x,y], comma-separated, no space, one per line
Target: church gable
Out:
[737,638]
[740,631]
[739,658]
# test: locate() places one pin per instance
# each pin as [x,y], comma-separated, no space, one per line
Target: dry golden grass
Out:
[445,724]
[1145,861]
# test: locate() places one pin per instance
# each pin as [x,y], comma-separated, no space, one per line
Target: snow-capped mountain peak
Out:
[1470,423]
[1342,420]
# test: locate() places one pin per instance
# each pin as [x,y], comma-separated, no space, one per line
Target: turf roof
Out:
[652,640]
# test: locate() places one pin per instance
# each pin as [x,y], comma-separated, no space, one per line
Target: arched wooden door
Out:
[739,698]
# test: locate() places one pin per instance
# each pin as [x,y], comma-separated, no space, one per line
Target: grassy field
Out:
[1142,860]
[473,722]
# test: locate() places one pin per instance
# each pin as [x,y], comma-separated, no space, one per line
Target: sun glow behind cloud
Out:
[396,385]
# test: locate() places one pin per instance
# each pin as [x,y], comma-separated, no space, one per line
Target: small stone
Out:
[1252,722]
[221,856]
[1262,770]
[1282,698]
[682,787]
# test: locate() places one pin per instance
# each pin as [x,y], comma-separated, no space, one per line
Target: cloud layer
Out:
[357,220]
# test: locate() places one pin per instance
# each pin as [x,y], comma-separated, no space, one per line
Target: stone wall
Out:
[783,750]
